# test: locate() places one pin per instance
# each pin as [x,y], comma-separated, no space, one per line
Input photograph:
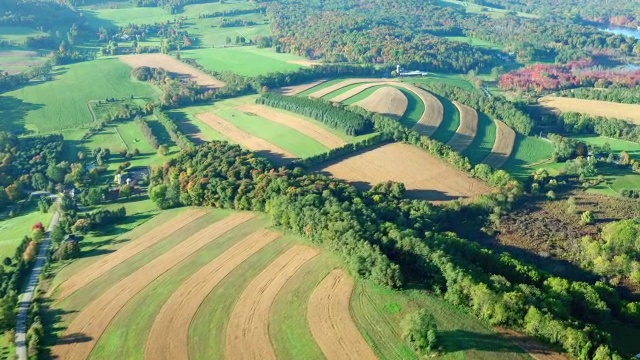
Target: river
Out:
[634,33]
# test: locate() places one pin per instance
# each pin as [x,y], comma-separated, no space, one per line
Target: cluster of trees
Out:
[181,140]
[171,32]
[348,122]
[496,106]
[152,139]
[175,91]
[619,95]
[340,152]
[393,241]
[236,23]
[578,123]
[231,12]
[10,82]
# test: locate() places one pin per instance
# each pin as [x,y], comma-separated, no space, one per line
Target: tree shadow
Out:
[186,126]
[13,112]
[464,340]
[277,159]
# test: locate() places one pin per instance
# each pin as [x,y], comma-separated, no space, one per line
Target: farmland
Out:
[593,107]
[227,270]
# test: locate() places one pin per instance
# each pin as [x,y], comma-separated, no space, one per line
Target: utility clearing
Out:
[502,147]
[424,176]
[467,130]
[608,109]
[173,65]
[387,101]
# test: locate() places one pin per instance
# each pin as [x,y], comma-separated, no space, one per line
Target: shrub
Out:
[420,331]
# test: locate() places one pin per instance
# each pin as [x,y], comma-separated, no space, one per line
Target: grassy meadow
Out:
[528,152]
[14,229]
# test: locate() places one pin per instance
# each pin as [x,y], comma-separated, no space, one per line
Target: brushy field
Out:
[483,142]
[527,152]
[63,103]
[244,60]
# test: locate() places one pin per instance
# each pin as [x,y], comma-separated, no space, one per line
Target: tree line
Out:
[178,137]
[619,95]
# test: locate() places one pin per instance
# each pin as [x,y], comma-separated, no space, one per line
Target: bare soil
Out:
[387,101]
[86,329]
[308,128]
[173,65]
[330,320]
[132,248]
[502,147]
[248,328]
[297,89]
[609,109]
[425,176]
[467,129]
[168,338]
[246,140]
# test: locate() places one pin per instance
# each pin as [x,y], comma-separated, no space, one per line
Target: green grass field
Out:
[483,142]
[474,42]
[14,229]
[450,121]
[449,79]
[245,60]
[616,145]
[63,103]
[17,35]
[527,153]
[474,8]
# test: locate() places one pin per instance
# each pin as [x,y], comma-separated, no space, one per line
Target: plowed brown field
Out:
[248,328]
[308,128]
[424,176]
[168,338]
[387,101]
[502,147]
[329,89]
[91,323]
[609,109]
[173,65]
[467,129]
[297,89]
[330,320]
[246,140]
[132,248]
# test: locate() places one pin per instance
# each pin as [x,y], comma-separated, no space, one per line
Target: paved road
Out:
[27,295]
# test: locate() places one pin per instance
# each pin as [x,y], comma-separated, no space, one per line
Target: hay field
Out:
[387,101]
[467,130]
[173,65]
[503,146]
[628,112]
[425,177]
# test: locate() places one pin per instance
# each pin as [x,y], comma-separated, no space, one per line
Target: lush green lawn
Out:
[527,152]
[482,144]
[63,103]
[244,60]
[14,229]
[126,336]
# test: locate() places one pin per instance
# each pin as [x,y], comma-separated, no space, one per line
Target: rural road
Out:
[27,295]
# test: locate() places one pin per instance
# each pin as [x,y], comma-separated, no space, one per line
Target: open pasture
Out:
[425,177]
[609,109]
[173,65]
[527,155]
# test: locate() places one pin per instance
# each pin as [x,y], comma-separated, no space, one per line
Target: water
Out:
[634,33]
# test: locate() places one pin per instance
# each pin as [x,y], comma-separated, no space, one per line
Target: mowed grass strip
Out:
[63,102]
[207,333]
[126,336]
[288,326]
[450,121]
[482,144]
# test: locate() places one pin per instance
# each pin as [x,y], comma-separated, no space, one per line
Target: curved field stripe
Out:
[297,89]
[168,338]
[248,329]
[387,101]
[295,122]
[246,140]
[329,89]
[467,130]
[110,261]
[502,148]
[330,319]
[85,330]
[357,90]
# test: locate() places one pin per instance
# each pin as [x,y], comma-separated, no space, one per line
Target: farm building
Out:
[409,73]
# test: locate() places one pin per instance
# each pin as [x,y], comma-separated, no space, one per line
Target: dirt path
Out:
[329,89]
[168,338]
[297,89]
[308,128]
[424,176]
[248,328]
[173,65]
[467,129]
[630,112]
[132,248]
[330,320]
[85,330]
[387,101]
[502,147]
[533,347]
[246,140]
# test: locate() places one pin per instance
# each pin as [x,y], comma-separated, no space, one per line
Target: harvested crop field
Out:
[503,146]
[467,130]
[168,338]
[329,89]
[387,101]
[91,323]
[107,263]
[246,140]
[173,65]
[248,328]
[308,128]
[609,109]
[297,89]
[330,320]
[425,176]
